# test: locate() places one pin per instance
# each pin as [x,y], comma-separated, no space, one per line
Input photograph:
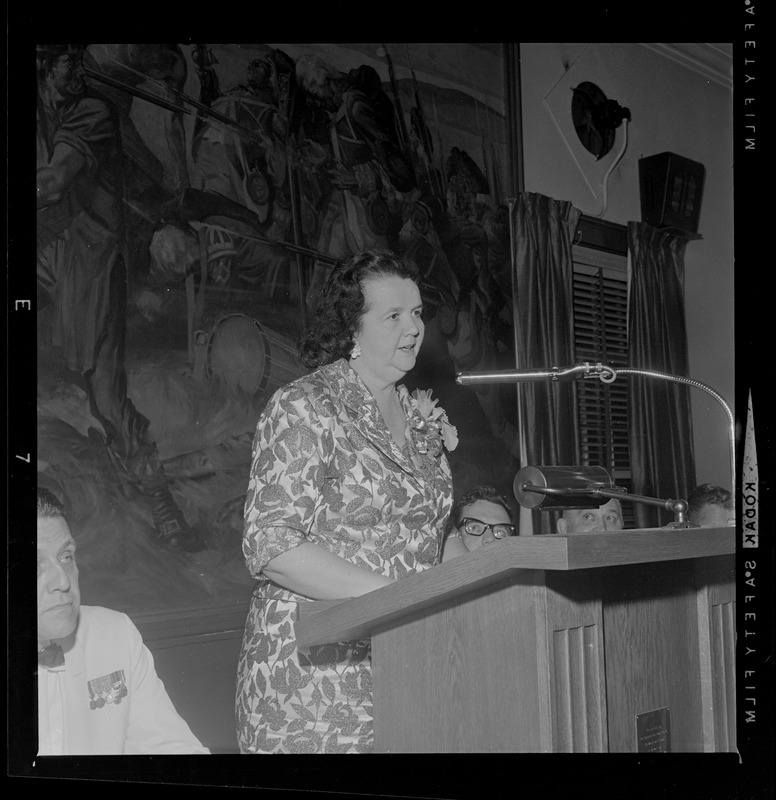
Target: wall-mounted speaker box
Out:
[671,189]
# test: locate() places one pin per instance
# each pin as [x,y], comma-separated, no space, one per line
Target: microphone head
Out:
[565,487]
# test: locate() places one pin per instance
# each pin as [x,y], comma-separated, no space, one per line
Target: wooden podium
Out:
[600,642]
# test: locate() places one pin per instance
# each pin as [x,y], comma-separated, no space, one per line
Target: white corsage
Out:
[429,426]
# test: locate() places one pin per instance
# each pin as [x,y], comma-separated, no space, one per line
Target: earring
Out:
[356,351]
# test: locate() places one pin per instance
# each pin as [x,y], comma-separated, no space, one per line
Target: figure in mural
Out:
[478,329]
[496,280]
[156,70]
[81,267]
[144,84]
[209,84]
[248,164]
[367,169]
[350,490]
[465,240]
[422,217]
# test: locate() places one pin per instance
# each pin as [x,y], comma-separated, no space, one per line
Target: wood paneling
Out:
[195,653]
[652,652]
[716,624]
[723,675]
[577,697]
[471,667]
[576,659]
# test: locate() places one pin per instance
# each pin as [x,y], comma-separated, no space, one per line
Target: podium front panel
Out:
[463,678]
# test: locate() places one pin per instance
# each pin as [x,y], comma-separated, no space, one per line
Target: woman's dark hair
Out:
[342,304]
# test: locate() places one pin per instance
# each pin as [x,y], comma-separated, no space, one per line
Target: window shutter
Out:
[600,297]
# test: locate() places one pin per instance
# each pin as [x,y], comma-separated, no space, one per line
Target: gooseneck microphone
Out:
[533,375]
[605,374]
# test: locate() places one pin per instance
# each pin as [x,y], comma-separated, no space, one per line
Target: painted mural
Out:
[191,198]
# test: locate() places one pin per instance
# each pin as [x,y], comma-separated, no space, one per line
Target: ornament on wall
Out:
[595,118]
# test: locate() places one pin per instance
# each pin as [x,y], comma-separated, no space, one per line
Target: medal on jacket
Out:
[109,689]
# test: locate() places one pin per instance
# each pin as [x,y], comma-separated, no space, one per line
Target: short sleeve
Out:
[286,479]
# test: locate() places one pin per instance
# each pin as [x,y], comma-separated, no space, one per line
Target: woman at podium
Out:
[350,490]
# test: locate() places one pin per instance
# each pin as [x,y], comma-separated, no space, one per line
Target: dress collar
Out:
[363,412]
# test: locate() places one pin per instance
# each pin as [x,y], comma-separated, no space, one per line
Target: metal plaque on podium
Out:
[653,731]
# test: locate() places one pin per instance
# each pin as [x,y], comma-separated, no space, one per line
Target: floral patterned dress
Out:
[327,470]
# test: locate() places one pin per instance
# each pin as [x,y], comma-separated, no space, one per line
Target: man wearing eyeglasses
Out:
[480,517]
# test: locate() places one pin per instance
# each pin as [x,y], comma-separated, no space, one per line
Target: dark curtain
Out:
[660,425]
[543,233]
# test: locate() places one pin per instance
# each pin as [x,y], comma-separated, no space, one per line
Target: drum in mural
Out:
[243,353]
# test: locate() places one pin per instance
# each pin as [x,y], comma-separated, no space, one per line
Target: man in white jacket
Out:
[98,691]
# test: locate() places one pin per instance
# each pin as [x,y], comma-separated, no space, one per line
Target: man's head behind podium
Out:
[481,517]
[710,506]
[588,520]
